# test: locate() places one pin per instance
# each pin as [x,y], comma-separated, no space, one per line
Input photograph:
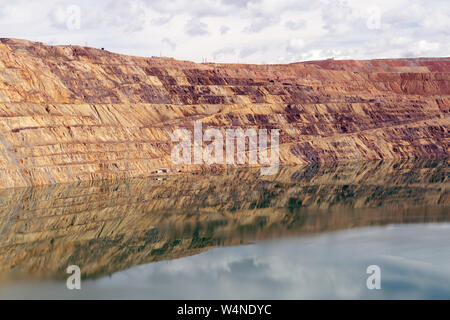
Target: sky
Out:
[238,31]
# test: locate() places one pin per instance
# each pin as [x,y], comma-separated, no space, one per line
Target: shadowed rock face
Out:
[108,226]
[70,113]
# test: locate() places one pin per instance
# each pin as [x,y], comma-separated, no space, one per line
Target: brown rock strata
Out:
[71,113]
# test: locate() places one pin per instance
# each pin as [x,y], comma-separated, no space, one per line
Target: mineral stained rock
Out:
[71,113]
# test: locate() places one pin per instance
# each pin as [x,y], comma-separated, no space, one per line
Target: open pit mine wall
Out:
[70,113]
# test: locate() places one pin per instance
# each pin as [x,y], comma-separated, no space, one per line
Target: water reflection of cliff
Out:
[108,226]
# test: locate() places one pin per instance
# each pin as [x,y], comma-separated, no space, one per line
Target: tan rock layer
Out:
[108,226]
[70,113]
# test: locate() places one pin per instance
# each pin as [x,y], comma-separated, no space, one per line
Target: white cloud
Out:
[224,30]
[251,31]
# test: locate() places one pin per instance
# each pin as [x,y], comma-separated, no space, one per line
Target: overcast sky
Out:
[245,31]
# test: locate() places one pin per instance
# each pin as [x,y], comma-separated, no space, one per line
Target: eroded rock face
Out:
[105,226]
[70,113]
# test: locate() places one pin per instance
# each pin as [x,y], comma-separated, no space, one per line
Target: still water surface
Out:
[306,233]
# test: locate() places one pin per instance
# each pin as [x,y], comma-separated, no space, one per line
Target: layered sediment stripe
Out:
[70,113]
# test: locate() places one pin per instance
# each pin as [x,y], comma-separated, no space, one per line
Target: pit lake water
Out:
[304,233]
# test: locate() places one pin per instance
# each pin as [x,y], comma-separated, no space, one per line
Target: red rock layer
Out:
[71,113]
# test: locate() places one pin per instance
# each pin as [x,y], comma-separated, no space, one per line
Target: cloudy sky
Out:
[245,31]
